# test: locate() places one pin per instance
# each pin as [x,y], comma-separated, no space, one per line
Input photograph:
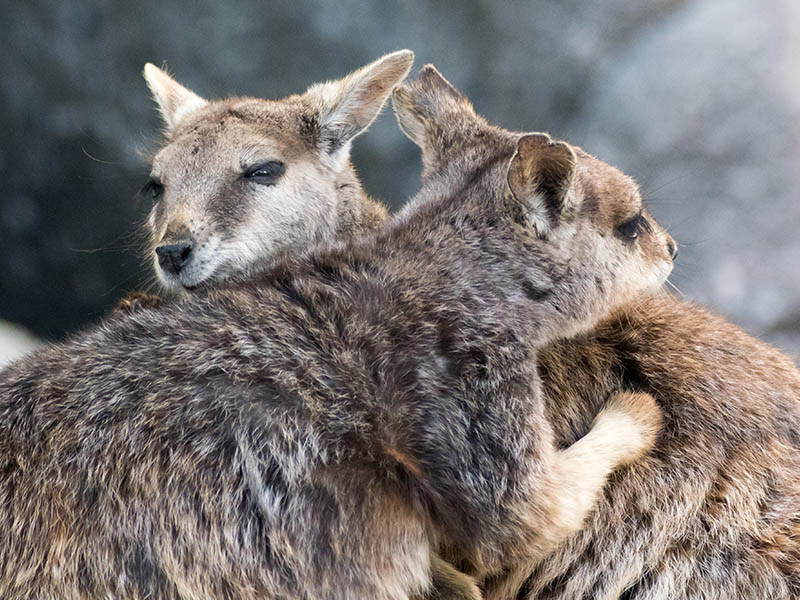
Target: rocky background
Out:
[698,99]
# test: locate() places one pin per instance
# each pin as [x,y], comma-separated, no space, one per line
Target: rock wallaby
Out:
[319,430]
[714,511]
[239,181]
[178,160]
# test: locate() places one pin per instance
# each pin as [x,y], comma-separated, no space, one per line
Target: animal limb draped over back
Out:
[318,430]
[721,483]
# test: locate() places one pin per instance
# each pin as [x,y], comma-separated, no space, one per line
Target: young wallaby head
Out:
[580,239]
[242,179]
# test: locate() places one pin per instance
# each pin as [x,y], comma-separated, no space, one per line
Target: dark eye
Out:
[265,173]
[152,188]
[633,228]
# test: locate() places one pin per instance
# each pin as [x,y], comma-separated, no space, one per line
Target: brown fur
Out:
[207,200]
[714,512]
[234,443]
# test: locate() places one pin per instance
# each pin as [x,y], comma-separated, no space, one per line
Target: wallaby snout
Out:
[672,248]
[174,256]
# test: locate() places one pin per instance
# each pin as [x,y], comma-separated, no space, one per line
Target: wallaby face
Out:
[580,221]
[243,179]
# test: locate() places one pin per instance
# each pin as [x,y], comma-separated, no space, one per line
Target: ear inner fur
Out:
[540,176]
[174,101]
[346,107]
[425,108]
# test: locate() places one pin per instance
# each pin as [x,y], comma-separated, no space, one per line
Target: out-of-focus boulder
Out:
[15,342]
[698,99]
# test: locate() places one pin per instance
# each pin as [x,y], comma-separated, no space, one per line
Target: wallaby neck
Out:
[356,213]
[473,273]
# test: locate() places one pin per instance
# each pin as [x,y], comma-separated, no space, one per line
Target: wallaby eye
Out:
[152,188]
[633,228]
[265,173]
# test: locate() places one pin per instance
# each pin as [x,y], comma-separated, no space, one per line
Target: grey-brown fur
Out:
[318,431]
[714,511]
[681,524]
[206,200]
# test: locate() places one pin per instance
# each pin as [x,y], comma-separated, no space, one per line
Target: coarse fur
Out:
[318,431]
[178,162]
[714,511]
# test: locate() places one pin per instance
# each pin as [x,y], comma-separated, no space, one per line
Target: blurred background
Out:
[699,100]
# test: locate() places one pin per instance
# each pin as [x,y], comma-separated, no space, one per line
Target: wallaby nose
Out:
[173,257]
[672,248]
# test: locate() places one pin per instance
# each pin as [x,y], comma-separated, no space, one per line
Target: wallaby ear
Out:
[540,177]
[174,101]
[346,107]
[423,106]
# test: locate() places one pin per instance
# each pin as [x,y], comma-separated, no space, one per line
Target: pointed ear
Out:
[435,116]
[174,101]
[426,104]
[541,176]
[346,107]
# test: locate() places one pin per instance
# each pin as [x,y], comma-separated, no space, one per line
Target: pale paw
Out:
[635,420]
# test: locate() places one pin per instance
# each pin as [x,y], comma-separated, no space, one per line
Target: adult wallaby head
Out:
[240,180]
[320,430]
[579,221]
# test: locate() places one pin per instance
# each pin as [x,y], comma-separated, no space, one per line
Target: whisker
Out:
[675,287]
[98,160]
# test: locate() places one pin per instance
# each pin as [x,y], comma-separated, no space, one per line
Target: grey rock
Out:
[15,342]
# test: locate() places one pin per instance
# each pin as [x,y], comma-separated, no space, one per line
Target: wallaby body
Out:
[714,512]
[669,527]
[318,431]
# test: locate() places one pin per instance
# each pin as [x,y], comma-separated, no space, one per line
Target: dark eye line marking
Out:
[631,228]
[153,187]
[265,172]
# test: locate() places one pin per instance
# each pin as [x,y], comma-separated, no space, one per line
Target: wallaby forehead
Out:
[607,190]
[235,133]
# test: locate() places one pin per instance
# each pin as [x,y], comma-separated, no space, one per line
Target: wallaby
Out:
[178,161]
[239,181]
[319,430]
[730,441]
[714,511]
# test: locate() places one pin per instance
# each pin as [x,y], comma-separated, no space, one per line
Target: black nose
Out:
[672,248]
[173,257]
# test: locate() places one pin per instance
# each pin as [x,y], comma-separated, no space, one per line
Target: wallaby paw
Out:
[136,300]
[448,583]
[636,420]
